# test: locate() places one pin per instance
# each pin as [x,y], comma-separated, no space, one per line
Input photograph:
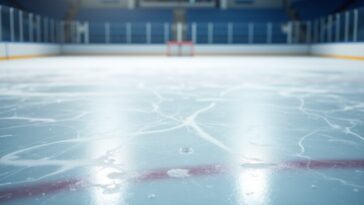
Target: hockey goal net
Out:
[180,48]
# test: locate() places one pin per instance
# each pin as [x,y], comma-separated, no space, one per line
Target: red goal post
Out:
[180,47]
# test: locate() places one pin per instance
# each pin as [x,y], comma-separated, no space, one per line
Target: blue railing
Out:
[200,33]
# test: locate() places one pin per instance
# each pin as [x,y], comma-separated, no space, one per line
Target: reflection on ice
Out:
[255,139]
[254,186]
[110,185]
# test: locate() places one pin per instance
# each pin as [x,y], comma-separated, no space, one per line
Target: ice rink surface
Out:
[178,131]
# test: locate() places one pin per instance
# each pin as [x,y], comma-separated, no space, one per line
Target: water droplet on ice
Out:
[249,193]
[151,196]
[186,150]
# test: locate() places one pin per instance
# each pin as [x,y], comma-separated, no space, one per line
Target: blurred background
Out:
[197,22]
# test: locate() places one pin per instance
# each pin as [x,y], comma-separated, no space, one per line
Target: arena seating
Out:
[311,9]
[51,8]
[236,15]
[7,3]
[125,15]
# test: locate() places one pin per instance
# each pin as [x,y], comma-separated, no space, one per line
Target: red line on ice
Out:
[45,188]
